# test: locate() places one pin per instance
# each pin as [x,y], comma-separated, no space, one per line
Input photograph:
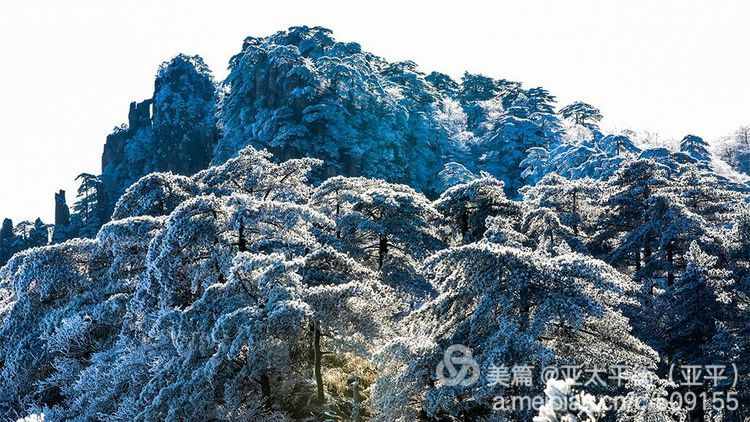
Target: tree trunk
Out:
[524,308]
[356,400]
[575,212]
[637,258]
[338,211]
[317,354]
[265,390]
[464,223]
[382,250]
[670,261]
[242,243]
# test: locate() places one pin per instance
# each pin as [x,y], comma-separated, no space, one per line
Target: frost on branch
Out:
[155,194]
[278,287]
[468,205]
[510,306]
[563,403]
[253,173]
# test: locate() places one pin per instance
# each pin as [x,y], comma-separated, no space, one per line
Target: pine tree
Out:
[618,145]
[444,84]
[39,234]
[736,150]
[696,148]
[549,235]
[89,204]
[541,110]
[184,116]
[501,150]
[7,240]
[50,327]
[377,219]
[454,174]
[582,114]
[155,194]
[628,200]
[300,93]
[509,306]
[468,205]
[697,305]
[536,165]
[576,202]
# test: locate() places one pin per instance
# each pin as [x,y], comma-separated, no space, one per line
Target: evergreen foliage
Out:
[359,218]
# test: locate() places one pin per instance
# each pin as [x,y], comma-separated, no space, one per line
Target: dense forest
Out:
[310,238]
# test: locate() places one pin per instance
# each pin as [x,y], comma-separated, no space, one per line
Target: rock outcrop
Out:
[174,131]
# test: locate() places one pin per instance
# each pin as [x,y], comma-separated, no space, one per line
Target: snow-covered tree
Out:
[38,234]
[155,194]
[564,403]
[376,219]
[301,93]
[618,145]
[89,204]
[444,83]
[707,194]
[55,312]
[696,148]
[735,149]
[253,173]
[576,202]
[582,155]
[124,243]
[732,341]
[509,306]
[174,131]
[502,232]
[698,307]
[253,331]
[475,87]
[582,114]
[273,324]
[660,215]
[648,400]
[454,174]
[628,197]
[536,164]
[501,150]
[22,236]
[184,115]
[549,235]
[541,107]
[468,205]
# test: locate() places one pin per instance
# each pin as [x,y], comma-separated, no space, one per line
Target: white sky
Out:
[68,73]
